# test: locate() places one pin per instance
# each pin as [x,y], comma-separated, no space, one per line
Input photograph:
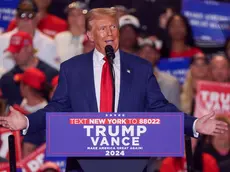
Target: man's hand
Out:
[209,126]
[15,121]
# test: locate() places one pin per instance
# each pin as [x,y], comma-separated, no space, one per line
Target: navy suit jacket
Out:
[139,90]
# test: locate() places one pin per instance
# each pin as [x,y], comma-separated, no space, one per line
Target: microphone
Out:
[109,51]
[12,153]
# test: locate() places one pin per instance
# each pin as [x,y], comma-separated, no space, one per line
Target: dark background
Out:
[148,11]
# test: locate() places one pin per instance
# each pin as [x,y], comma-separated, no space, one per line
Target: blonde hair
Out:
[187,94]
[97,13]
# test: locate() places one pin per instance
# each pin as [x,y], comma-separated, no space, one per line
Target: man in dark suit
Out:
[84,78]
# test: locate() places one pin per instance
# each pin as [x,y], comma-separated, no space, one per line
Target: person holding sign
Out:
[85,84]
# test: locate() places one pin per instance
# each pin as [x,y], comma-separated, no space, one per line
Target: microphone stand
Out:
[110,56]
[12,153]
[113,81]
[189,156]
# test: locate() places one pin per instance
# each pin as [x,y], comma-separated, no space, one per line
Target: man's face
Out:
[26,22]
[104,31]
[22,57]
[220,69]
[43,4]
[128,37]
[150,54]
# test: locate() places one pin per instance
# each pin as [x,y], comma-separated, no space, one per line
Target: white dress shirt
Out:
[97,69]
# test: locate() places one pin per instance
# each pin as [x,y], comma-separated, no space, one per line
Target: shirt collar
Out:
[34,108]
[98,56]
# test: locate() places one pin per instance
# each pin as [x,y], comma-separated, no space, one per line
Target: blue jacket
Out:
[139,91]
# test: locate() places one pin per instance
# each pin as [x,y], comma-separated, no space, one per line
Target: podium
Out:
[113,142]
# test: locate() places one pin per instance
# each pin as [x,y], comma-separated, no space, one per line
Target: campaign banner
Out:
[210,21]
[212,96]
[7,12]
[4,143]
[115,134]
[177,67]
[34,161]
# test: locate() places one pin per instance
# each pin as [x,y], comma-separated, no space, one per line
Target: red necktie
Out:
[106,99]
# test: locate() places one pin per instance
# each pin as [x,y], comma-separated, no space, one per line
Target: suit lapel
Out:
[89,86]
[125,82]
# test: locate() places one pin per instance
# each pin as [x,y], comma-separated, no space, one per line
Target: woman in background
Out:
[199,70]
[180,41]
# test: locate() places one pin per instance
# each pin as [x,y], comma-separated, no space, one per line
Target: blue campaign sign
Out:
[177,67]
[115,135]
[210,21]
[7,12]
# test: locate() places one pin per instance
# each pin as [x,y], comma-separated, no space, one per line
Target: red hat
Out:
[54,81]
[18,41]
[32,77]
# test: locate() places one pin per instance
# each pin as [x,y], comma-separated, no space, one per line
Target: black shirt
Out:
[11,90]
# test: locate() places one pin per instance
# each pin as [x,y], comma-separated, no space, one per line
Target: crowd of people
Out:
[36,43]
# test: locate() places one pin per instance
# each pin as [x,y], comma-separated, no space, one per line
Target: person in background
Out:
[219,146]
[27,22]
[202,162]
[199,70]
[21,50]
[166,81]
[220,68]
[47,23]
[179,42]
[35,92]
[70,43]
[129,32]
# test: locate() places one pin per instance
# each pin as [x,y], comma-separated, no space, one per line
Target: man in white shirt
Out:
[70,43]
[167,82]
[45,47]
